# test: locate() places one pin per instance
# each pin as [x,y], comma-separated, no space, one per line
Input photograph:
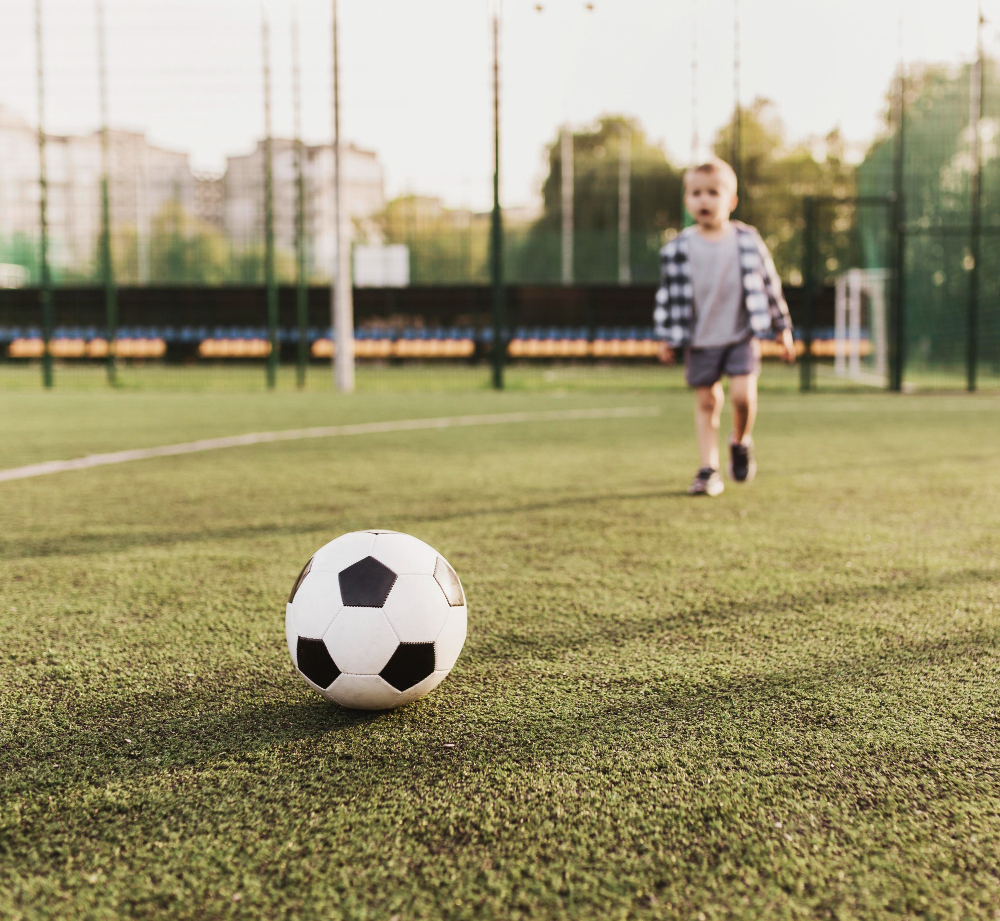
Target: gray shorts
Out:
[703,367]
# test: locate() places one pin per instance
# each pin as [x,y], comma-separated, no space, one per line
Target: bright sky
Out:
[416,74]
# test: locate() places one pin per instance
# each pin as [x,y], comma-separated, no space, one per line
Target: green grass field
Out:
[417,377]
[782,703]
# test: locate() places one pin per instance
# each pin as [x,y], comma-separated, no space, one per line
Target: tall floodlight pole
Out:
[625,205]
[343,295]
[695,140]
[269,275]
[737,138]
[976,201]
[142,218]
[686,218]
[301,281]
[566,168]
[44,280]
[897,351]
[806,376]
[496,226]
[107,266]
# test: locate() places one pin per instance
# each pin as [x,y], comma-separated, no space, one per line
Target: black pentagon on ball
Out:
[315,662]
[366,584]
[409,665]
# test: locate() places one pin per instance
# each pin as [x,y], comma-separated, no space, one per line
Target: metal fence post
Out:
[107,263]
[269,278]
[897,352]
[809,320]
[496,236]
[45,278]
[301,281]
[975,205]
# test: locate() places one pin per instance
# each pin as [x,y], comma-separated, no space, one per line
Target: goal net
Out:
[860,342]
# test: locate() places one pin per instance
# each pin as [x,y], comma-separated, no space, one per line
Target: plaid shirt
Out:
[762,295]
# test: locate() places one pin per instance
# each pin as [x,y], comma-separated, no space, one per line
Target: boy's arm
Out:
[660,314]
[781,322]
[661,311]
[670,316]
[772,285]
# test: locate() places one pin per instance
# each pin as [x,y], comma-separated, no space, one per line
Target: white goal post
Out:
[860,341]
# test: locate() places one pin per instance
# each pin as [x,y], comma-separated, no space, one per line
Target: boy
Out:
[718,292]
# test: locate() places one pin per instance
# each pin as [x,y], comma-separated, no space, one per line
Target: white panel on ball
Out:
[291,633]
[324,692]
[363,692]
[316,603]
[424,687]
[416,608]
[451,639]
[404,554]
[343,552]
[377,620]
[361,641]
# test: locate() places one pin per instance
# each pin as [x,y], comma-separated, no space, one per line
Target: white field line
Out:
[330,431]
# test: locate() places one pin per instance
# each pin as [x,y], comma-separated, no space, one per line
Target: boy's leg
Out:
[708,402]
[743,394]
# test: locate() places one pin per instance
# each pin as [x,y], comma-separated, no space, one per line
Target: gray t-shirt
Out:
[720,316]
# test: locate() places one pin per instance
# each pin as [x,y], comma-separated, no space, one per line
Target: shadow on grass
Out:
[72,545]
[166,732]
[550,640]
[122,541]
[156,735]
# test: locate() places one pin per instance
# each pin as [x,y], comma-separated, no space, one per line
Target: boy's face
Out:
[709,199]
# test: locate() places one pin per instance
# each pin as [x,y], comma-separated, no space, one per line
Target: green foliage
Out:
[656,183]
[777,704]
[20,249]
[655,207]
[446,246]
[938,167]
[184,249]
[247,262]
[775,176]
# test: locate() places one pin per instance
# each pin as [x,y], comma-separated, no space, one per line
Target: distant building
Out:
[142,179]
[364,197]
[18,180]
[152,190]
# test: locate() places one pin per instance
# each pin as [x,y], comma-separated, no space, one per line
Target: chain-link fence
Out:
[121,263]
[938,165]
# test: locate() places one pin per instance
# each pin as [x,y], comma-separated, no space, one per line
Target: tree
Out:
[185,249]
[22,249]
[655,206]
[938,170]
[775,178]
[446,246]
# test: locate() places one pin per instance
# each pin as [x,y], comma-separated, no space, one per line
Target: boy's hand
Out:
[667,355]
[788,346]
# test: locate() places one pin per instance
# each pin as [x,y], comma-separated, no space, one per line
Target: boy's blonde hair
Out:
[714,167]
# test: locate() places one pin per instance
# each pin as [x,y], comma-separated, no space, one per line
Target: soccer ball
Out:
[376,619]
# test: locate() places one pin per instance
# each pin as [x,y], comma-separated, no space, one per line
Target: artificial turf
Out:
[779,703]
[455,377]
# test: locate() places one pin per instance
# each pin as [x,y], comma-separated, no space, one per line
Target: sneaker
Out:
[742,466]
[706,482]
